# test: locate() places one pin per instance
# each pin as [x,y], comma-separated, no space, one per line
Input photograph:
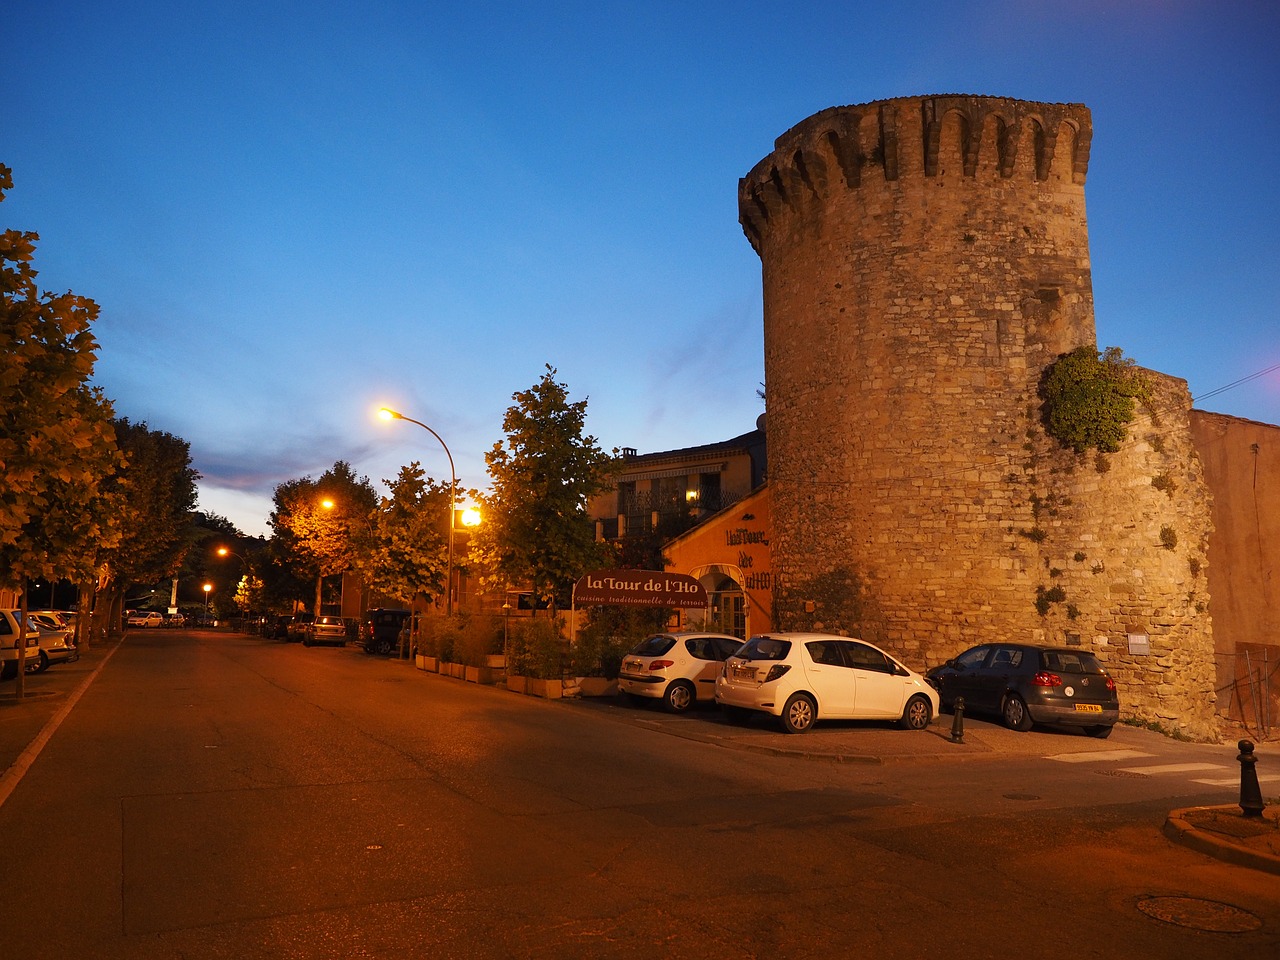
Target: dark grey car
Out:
[1026,684]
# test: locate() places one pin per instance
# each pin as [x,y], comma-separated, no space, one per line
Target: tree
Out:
[323,525]
[156,497]
[410,535]
[536,527]
[57,446]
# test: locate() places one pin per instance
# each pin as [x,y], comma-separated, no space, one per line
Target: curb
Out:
[1179,829]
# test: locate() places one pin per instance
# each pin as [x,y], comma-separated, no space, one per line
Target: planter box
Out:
[429,664]
[482,675]
[597,687]
[551,689]
[420,661]
[456,670]
[495,661]
[517,684]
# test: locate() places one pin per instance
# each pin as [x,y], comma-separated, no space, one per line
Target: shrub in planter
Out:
[535,649]
[479,637]
[600,646]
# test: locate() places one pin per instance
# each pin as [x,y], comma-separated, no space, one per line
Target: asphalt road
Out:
[215,795]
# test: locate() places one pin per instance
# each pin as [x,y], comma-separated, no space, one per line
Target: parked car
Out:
[677,668]
[175,620]
[57,641]
[325,629]
[9,651]
[801,678]
[1025,684]
[380,629]
[277,627]
[145,618]
[297,626]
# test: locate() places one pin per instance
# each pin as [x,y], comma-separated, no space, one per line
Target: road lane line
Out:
[11,778]
[1235,781]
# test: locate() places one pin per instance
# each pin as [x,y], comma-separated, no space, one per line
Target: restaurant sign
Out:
[640,588]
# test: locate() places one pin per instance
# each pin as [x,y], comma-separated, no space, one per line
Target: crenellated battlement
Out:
[937,137]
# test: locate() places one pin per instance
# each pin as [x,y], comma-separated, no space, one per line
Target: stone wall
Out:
[923,261]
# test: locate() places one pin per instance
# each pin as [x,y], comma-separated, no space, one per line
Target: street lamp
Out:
[388,414]
[207,588]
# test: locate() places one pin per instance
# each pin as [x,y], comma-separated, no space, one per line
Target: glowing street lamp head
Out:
[208,587]
[386,413]
[470,517]
[327,503]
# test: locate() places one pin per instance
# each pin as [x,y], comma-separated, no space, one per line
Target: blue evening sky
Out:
[291,213]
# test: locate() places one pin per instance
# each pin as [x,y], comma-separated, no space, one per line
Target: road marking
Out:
[1234,781]
[13,776]
[1099,755]
[1175,768]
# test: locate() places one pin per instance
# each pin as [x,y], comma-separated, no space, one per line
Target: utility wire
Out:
[1229,386]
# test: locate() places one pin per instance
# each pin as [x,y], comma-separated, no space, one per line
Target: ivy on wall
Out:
[1088,398]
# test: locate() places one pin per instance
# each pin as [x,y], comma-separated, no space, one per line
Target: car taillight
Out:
[1046,679]
[661,664]
[776,671]
[1111,684]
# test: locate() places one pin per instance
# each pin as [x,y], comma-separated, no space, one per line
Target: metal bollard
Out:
[957,725]
[1251,804]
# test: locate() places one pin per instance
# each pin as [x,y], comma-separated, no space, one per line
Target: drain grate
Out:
[1196,914]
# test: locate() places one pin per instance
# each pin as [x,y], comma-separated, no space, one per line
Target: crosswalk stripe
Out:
[1175,768]
[1235,781]
[1098,755]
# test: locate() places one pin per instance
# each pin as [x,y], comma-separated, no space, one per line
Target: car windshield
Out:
[1069,661]
[764,648]
[654,646]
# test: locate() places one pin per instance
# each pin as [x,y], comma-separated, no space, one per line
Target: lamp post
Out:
[207,588]
[388,414]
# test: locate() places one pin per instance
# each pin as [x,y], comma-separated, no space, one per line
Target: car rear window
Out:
[765,648]
[1069,661]
[654,646]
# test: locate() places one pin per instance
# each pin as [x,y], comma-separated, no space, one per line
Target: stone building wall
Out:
[923,261]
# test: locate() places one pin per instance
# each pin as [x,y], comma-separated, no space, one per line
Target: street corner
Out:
[1225,833]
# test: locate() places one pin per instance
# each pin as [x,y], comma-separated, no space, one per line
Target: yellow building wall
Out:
[735,543]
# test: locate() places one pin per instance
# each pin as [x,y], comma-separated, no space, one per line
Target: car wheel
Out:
[917,714]
[740,715]
[384,647]
[798,714]
[38,665]
[1100,732]
[679,696]
[1015,715]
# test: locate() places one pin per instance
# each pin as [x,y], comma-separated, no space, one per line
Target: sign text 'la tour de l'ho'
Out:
[639,588]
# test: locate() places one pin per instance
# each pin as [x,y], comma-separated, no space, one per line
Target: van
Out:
[380,629]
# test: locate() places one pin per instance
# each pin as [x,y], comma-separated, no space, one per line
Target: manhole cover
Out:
[1122,774]
[1197,914]
[1021,796]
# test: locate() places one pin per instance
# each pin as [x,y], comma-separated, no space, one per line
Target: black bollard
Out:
[957,725]
[1251,804]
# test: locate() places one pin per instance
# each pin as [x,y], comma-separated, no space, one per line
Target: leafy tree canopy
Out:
[536,529]
[57,445]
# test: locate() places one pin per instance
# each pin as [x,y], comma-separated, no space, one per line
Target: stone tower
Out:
[924,259]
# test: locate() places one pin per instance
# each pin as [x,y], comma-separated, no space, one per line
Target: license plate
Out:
[744,672]
[1088,708]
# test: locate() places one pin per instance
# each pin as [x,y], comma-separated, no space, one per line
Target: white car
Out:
[801,678]
[145,618]
[9,653]
[677,668]
[57,639]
